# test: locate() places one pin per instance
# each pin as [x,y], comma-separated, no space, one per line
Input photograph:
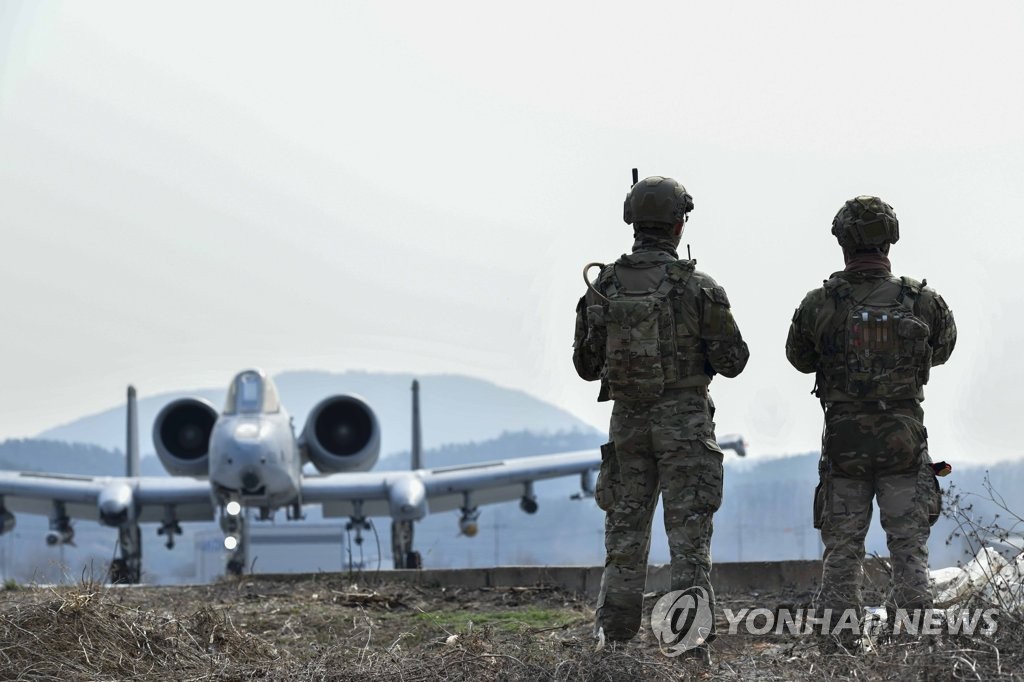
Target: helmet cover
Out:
[657,200]
[866,222]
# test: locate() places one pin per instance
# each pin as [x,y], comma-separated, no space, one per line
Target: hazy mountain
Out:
[766,514]
[36,454]
[455,409]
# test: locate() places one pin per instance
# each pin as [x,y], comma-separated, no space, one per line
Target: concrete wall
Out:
[745,577]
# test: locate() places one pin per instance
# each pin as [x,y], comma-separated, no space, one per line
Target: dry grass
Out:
[85,632]
[330,628]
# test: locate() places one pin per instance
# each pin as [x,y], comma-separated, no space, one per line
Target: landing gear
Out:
[401,545]
[236,537]
[127,569]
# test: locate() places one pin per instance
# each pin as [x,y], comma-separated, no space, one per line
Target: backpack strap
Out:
[838,289]
[609,282]
[676,275]
[910,292]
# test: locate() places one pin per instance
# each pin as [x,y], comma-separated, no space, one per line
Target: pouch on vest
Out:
[633,353]
[886,354]
[643,351]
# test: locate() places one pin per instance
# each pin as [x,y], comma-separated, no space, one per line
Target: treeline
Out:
[33,454]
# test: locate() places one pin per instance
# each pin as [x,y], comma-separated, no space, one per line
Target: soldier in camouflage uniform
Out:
[655,331]
[871,339]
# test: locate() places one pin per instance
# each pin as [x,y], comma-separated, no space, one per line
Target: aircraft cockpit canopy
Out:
[252,392]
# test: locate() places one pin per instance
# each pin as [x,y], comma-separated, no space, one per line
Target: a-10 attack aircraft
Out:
[249,457]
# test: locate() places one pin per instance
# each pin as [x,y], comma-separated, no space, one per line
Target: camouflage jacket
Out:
[807,347]
[701,306]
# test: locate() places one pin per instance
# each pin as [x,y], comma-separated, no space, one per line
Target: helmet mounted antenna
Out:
[586,269]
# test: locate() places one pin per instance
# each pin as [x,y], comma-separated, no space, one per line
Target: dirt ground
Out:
[343,627]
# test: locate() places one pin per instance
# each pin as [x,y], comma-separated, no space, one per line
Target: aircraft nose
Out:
[250,480]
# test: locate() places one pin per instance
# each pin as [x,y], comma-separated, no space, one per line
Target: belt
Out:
[871,405]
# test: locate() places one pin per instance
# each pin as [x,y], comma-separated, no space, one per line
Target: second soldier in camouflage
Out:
[871,339]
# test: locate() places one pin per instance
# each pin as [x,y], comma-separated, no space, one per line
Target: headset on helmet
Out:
[866,222]
[657,200]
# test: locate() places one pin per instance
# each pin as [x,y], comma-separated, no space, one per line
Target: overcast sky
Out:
[187,189]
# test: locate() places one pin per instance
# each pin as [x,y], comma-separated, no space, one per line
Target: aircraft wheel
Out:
[118,572]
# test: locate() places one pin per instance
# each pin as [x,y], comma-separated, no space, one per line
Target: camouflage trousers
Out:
[878,452]
[665,446]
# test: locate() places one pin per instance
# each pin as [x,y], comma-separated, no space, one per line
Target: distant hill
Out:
[767,510]
[34,454]
[455,409]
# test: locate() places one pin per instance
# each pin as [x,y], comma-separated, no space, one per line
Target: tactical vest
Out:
[873,346]
[651,339]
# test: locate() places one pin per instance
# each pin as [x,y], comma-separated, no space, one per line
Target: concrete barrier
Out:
[741,577]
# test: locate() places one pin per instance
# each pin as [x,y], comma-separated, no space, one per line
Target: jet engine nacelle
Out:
[341,434]
[181,434]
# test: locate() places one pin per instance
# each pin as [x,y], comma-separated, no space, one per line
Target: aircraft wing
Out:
[81,496]
[503,480]
[407,494]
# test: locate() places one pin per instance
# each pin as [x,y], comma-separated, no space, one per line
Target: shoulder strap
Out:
[910,291]
[677,273]
[838,288]
[608,282]
[674,277]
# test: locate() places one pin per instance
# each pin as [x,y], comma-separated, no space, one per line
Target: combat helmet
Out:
[866,222]
[657,200]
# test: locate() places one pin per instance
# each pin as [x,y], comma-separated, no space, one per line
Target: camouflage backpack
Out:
[876,349]
[638,331]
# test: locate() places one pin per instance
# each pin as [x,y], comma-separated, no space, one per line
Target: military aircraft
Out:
[248,457]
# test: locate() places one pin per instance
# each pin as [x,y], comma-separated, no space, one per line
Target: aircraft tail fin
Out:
[131,448]
[417,435]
